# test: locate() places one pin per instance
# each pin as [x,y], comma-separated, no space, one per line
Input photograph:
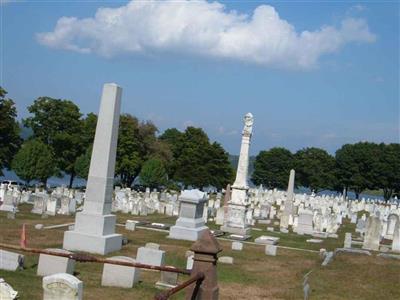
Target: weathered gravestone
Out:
[347,240]
[51,264]
[168,280]
[150,256]
[372,234]
[62,286]
[6,291]
[94,230]
[120,276]
[396,237]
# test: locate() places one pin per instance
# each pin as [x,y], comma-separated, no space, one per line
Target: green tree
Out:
[358,166]
[153,173]
[130,151]
[315,169]
[388,169]
[219,169]
[82,164]
[174,139]
[196,161]
[9,131]
[272,168]
[58,124]
[35,160]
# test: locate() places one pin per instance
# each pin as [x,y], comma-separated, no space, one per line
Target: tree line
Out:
[62,139]
[355,167]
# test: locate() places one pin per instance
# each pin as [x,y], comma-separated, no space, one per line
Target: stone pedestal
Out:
[205,261]
[190,223]
[94,230]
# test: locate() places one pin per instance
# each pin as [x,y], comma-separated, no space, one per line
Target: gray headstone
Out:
[11,261]
[51,264]
[120,276]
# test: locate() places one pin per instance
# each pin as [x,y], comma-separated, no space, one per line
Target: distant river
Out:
[78,182]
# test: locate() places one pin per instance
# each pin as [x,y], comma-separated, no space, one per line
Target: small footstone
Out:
[225,260]
[189,262]
[238,246]
[270,229]
[130,225]
[314,241]
[168,280]
[271,250]
[39,226]
[327,259]
[268,240]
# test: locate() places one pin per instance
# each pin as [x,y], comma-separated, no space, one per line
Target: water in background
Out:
[78,182]
[52,181]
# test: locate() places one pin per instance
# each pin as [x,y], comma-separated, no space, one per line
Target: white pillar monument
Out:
[288,210]
[94,229]
[235,222]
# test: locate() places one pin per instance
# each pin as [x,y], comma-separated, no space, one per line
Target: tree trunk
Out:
[387,193]
[71,179]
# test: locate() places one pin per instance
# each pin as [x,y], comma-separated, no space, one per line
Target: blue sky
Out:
[336,83]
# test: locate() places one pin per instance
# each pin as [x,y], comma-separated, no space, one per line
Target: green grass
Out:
[252,276]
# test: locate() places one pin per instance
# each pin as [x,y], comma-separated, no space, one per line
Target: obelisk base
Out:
[94,234]
[77,241]
[236,220]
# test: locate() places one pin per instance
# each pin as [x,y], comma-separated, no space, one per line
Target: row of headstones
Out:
[113,275]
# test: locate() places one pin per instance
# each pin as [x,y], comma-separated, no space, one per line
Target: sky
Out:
[313,73]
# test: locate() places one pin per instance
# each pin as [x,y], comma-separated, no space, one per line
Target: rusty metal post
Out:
[205,259]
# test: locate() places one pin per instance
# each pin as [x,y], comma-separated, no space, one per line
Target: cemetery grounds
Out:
[252,276]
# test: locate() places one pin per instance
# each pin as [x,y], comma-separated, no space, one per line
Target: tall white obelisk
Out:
[235,222]
[94,229]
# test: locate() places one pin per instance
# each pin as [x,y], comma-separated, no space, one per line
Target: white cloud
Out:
[204,29]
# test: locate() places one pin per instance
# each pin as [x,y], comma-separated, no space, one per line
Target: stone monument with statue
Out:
[235,221]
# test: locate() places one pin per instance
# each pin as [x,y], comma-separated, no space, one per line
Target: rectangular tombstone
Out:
[347,240]
[168,280]
[120,276]
[51,264]
[238,246]
[150,256]
[130,225]
[189,262]
[62,286]
[11,261]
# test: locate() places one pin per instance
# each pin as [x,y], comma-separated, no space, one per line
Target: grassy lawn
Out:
[252,276]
